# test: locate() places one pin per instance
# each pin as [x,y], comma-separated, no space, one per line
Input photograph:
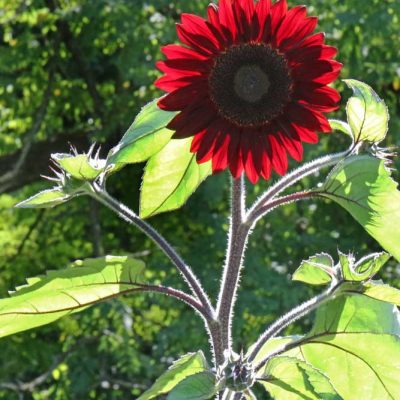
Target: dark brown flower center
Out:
[250,84]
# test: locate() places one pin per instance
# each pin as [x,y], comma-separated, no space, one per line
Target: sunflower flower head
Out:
[250,85]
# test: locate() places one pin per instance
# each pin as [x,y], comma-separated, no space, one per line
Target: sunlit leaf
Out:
[170,178]
[317,270]
[45,199]
[341,126]
[201,386]
[80,166]
[363,186]
[367,114]
[287,378]
[364,269]
[189,364]
[376,290]
[146,136]
[60,293]
[355,342]
[273,345]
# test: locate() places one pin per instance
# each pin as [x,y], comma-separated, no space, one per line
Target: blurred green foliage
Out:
[95,60]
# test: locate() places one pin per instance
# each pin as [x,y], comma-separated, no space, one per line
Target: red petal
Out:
[171,83]
[213,17]
[266,159]
[304,54]
[302,30]
[290,140]
[278,155]
[294,17]
[321,71]
[206,146]
[197,139]
[306,135]
[263,9]
[178,73]
[278,12]
[323,98]
[201,43]
[178,100]
[310,119]
[220,153]
[226,17]
[192,120]
[202,66]
[173,51]
[195,24]
[243,13]
[314,40]
[252,154]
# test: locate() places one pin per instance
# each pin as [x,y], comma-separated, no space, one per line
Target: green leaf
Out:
[367,114]
[45,199]
[376,290]
[371,264]
[81,166]
[171,176]
[201,386]
[363,186]
[273,345]
[146,136]
[317,270]
[189,364]
[341,126]
[355,342]
[59,293]
[288,378]
[365,268]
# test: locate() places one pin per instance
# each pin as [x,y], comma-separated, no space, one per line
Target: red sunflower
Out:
[250,85]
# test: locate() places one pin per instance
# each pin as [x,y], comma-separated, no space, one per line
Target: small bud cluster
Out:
[237,373]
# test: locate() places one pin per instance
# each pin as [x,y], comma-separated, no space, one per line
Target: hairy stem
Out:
[270,206]
[177,294]
[238,234]
[291,317]
[293,177]
[128,215]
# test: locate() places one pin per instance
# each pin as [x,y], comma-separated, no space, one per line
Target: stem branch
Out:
[178,294]
[128,215]
[289,318]
[292,177]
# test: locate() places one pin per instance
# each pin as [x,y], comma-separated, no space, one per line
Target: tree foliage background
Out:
[76,71]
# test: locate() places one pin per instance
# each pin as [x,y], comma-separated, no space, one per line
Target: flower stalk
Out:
[238,234]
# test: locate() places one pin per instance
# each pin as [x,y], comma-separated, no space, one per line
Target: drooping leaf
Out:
[201,386]
[363,186]
[288,378]
[367,114]
[371,264]
[60,293]
[81,166]
[355,342]
[189,364]
[341,126]
[45,199]
[171,176]
[317,270]
[364,269]
[146,136]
